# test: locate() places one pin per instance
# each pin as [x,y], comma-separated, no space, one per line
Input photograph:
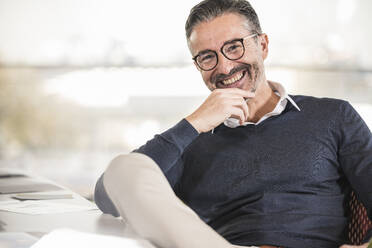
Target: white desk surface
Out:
[92,221]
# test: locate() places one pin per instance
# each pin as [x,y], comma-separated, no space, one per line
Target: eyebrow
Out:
[228,41]
[205,51]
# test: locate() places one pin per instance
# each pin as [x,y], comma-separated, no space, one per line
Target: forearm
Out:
[166,148]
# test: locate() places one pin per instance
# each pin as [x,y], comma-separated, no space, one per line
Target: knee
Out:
[126,171]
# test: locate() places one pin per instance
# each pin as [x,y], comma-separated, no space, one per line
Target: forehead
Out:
[212,34]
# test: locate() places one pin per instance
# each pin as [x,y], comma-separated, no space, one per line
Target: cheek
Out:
[207,80]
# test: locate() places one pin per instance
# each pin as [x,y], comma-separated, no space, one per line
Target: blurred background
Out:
[82,81]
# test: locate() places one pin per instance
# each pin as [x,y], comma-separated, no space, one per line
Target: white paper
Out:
[44,207]
[64,238]
[42,196]
[16,240]
[6,199]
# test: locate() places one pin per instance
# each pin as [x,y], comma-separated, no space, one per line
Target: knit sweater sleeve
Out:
[166,150]
[355,155]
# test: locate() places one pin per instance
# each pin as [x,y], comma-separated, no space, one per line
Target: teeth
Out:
[234,79]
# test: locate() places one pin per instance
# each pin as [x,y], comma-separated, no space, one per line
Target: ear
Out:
[264,42]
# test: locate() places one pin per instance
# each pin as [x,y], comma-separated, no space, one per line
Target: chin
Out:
[211,87]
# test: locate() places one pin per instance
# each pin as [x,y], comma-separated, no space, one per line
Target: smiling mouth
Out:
[231,82]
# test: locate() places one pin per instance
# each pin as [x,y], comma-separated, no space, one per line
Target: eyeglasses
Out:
[233,50]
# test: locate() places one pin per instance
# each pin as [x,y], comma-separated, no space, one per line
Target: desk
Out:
[87,221]
[92,221]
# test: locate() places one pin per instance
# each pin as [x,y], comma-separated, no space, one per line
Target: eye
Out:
[206,57]
[233,48]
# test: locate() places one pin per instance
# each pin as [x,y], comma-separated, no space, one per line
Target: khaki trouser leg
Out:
[143,197]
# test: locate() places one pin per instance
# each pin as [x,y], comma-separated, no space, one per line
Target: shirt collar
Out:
[279,88]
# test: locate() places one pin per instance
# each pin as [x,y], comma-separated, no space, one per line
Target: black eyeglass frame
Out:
[241,40]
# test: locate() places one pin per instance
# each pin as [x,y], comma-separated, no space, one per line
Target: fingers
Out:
[245,109]
[238,105]
[220,105]
[238,115]
[235,97]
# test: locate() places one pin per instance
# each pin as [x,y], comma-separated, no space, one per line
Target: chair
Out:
[359,222]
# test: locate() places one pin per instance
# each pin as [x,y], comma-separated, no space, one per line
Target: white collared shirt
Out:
[280,106]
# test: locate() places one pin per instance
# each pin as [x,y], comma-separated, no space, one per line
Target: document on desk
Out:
[24,184]
[63,238]
[6,173]
[4,199]
[16,240]
[42,196]
[45,207]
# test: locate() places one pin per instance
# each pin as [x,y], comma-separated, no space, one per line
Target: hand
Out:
[220,105]
[355,246]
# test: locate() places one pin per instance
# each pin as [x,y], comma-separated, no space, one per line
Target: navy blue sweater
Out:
[283,182]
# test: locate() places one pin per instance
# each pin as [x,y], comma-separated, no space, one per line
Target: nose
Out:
[224,65]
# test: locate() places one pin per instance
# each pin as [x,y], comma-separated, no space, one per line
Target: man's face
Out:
[244,73]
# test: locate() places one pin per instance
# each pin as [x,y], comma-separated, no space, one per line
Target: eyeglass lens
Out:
[232,50]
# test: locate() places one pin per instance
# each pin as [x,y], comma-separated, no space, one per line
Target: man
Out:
[260,167]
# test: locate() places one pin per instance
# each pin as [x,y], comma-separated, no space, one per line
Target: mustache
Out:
[220,77]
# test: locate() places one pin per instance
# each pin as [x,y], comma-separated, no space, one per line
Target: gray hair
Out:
[210,9]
